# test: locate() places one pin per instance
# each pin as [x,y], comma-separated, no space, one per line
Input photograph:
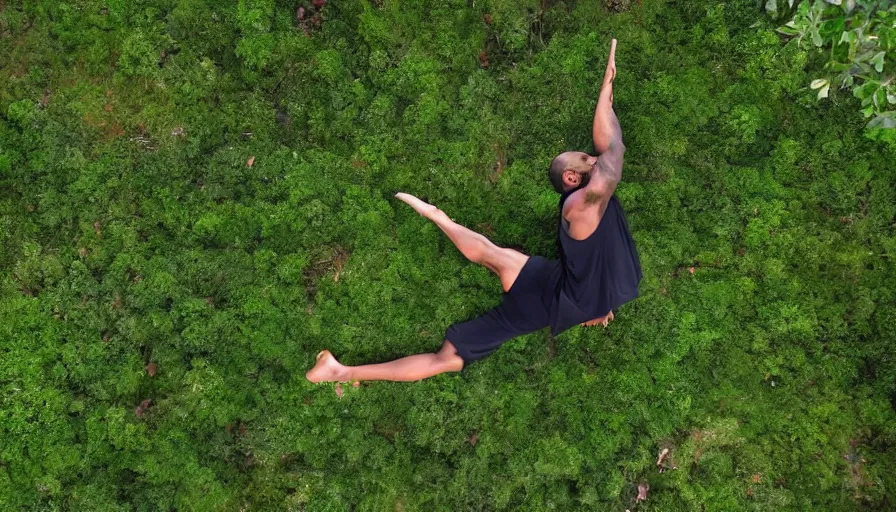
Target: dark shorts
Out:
[525,309]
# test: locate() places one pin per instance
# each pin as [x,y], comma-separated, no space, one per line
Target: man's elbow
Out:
[616,146]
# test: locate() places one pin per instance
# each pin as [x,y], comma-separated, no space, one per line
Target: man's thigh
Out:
[507,263]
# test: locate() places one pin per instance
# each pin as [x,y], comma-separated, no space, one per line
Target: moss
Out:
[210,189]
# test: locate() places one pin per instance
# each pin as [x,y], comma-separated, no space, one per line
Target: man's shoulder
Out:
[586,201]
[583,216]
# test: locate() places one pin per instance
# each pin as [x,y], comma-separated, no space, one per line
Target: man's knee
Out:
[451,363]
[448,359]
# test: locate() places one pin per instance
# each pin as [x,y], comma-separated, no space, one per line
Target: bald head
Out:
[570,170]
[555,172]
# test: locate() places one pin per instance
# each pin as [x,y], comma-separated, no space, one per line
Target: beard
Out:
[586,177]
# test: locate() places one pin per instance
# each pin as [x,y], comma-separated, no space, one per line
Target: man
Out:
[598,270]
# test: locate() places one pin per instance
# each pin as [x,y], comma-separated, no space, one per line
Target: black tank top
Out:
[599,273]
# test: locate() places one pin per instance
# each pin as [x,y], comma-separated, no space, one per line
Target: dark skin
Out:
[585,207]
[604,170]
[583,210]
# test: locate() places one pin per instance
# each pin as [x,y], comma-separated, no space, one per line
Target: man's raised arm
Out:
[607,133]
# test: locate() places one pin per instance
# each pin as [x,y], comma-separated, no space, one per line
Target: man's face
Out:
[578,167]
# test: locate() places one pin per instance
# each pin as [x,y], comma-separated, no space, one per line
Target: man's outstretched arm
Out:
[605,124]
[606,131]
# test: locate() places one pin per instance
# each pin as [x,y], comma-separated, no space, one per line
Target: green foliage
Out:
[161,298]
[861,36]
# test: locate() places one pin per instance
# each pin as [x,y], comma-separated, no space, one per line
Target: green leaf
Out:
[880,97]
[886,120]
[788,31]
[816,37]
[863,91]
[878,61]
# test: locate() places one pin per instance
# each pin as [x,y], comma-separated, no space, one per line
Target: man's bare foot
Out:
[603,320]
[327,369]
[422,207]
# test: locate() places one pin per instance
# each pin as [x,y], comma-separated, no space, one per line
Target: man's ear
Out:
[571,178]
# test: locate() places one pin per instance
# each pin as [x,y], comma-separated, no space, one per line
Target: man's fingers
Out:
[610,73]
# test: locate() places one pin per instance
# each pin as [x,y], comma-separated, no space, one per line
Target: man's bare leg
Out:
[406,369]
[507,263]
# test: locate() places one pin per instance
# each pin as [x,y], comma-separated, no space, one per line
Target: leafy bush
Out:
[861,36]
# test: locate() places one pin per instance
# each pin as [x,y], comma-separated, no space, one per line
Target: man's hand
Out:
[610,73]
[604,320]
